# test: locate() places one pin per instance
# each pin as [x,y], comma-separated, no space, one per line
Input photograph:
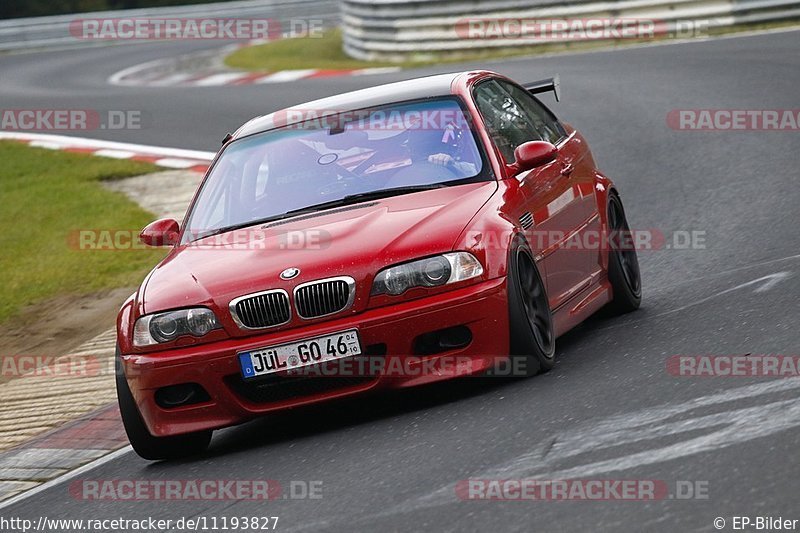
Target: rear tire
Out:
[143,442]
[623,264]
[532,337]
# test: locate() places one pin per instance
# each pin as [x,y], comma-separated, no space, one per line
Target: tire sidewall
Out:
[522,342]
[625,299]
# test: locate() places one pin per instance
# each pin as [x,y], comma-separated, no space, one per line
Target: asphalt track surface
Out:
[609,409]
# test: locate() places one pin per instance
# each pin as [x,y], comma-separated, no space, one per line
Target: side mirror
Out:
[533,154]
[163,232]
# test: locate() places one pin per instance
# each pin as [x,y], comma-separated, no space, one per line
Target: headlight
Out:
[430,272]
[165,327]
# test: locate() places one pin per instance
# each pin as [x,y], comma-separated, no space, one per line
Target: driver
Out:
[442,147]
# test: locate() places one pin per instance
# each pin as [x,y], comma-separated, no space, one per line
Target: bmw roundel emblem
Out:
[290,273]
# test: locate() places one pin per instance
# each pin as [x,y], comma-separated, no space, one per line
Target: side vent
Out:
[526,220]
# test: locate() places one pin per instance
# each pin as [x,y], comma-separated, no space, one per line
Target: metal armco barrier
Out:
[398,30]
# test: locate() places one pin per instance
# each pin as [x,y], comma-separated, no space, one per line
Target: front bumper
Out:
[386,332]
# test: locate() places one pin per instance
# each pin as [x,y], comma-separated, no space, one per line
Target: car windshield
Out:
[340,158]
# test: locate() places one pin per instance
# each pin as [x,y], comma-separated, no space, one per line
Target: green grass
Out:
[326,52]
[323,52]
[46,196]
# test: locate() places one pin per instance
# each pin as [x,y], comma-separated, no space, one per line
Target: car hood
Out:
[356,241]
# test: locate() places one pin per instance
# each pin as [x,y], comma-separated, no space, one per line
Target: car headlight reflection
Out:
[429,272]
[166,327]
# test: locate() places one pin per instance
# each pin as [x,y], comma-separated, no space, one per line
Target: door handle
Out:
[567,168]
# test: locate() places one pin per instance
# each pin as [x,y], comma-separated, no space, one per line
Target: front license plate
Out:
[293,355]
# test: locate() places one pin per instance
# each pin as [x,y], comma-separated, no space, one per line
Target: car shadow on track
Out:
[347,412]
[361,409]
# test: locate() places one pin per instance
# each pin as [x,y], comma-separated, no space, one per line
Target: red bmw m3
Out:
[384,238]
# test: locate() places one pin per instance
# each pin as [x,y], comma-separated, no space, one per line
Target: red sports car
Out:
[388,237]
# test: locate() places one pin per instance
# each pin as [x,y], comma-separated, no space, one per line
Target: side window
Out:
[507,122]
[545,123]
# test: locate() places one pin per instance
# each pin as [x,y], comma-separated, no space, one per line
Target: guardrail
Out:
[54,31]
[399,30]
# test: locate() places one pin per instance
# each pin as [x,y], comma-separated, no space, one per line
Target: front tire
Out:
[532,337]
[143,442]
[623,263]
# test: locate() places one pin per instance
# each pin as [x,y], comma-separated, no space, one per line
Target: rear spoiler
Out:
[545,86]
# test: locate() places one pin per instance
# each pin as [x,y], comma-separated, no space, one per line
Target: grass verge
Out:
[46,197]
[323,52]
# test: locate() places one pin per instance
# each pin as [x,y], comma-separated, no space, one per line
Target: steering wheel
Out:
[381,147]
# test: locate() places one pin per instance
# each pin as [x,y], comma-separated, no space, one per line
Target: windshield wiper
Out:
[354,199]
[347,200]
[386,193]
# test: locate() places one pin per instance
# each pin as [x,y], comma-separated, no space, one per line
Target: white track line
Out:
[223,78]
[66,477]
[375,70]
[173,79]
[116,154]
[118,78]
[172,162]
[82,142]
[286,75]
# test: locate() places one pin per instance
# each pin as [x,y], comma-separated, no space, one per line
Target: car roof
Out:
[417,88]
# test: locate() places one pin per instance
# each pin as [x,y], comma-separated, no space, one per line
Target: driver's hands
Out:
[441,159]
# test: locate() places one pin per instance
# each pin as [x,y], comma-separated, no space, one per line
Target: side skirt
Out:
[582,305]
